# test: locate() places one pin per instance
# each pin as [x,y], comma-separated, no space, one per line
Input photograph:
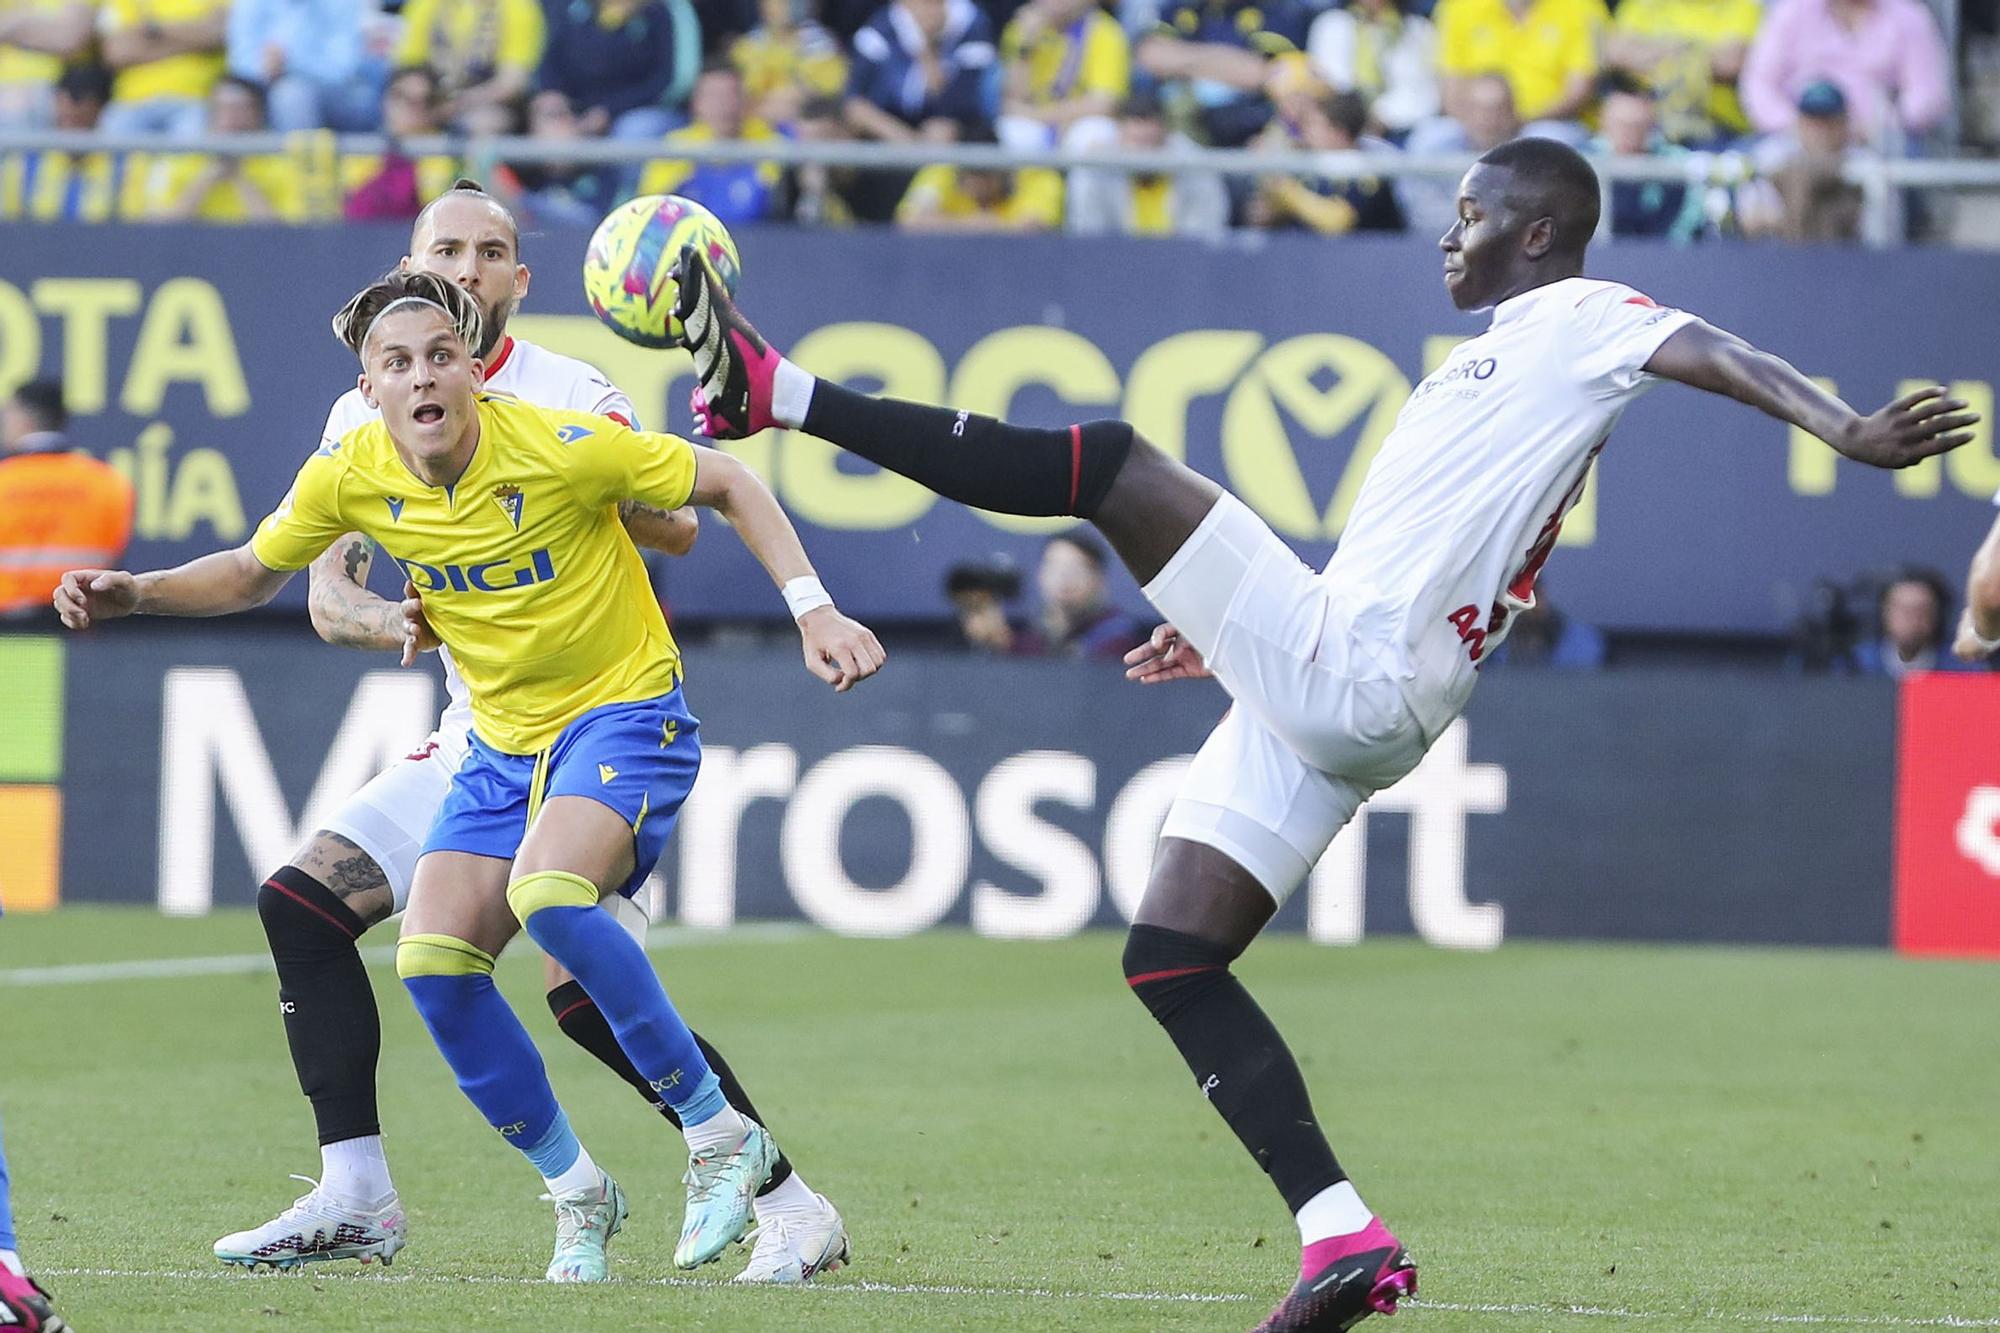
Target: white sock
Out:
[11,1261]
[355,1170]
[582,1175]
[794,1196]
[791,394]
[724,1129]
[1335,1211]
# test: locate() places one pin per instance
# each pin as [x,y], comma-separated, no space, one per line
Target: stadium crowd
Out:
[1786,91]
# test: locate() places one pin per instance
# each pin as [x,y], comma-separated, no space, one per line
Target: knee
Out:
[303,916]
[1165,968]
[421,957]
[532,893]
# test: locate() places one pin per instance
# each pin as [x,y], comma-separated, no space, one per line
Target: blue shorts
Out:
[640,759]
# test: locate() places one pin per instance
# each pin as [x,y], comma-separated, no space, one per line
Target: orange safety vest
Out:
[58,512]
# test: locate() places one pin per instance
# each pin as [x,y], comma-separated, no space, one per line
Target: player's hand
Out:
[86,596]
[841,652]
[1966,644]
[1166,656]
[418,636]
[1909,430]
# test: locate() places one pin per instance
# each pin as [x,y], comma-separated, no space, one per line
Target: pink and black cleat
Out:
[734,366]
[1344,1280]
[25,1307]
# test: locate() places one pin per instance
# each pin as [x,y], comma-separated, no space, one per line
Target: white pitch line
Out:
[1046,1294]
[249,964]
[497,1280]
[1717,1316]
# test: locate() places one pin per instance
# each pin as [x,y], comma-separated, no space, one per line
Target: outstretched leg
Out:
[1146,504]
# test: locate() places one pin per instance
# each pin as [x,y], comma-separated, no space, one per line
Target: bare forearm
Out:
[343,611]
[671,531]
[214,585]
[63,34]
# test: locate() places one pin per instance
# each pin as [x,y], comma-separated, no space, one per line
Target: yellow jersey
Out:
[1092,55]
[1693,106]
[1539,50]
[467,41]
[1035,198]
[526,573]
[190,74]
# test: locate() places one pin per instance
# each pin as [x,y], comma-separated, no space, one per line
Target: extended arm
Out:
[343,611]
[214,585]
[1907,431]
[840,651]
[63,33]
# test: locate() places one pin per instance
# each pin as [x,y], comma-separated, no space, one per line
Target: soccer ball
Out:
[625,270]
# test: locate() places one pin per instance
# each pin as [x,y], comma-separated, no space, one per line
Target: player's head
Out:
[36,408]
[415,334]
[1526,213]
[468,236]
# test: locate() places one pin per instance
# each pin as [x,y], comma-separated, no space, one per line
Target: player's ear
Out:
[478,374]
[367,391]
[403,264]
[521,277]
[1540,238]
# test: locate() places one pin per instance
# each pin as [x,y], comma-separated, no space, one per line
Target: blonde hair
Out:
[358,316]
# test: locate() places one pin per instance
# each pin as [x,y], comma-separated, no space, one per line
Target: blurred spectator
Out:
[1546,50]
[979,593]
[1886,57]
[1801,193]
[1690,53]
[1102,201]
[307,55]
[967,199]
[543,194]
[1067,65]
[1628,126]
[37,38]
[1482,118]
[59,509]
[266,187]
[733,191]
[394,184]
[787,60]
[1077,618]
[822,195]
[165,56]
[920,63]
[623,65]
[1911,619]
[484,53]
[1544,637]
[43,185]
[1220,52]
[1373,48]
[1328,123]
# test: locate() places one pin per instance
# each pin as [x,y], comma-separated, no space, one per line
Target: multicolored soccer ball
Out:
[625,271]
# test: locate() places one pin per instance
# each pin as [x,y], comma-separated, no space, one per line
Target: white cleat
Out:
[793,1248]
[317,1228]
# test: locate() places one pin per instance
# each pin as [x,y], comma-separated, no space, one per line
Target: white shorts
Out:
[390,817]
[1319,725]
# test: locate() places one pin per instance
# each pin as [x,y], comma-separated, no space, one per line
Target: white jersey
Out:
[535,375]
[1461,507]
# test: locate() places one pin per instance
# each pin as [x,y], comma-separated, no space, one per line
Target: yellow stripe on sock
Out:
[549,888]
[440,956]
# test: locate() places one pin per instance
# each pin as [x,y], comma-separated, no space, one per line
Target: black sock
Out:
[972,459]
[583,1023]
[1240,1062]
[331,1022]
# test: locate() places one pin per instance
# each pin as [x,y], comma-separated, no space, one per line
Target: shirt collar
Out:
[1516,308]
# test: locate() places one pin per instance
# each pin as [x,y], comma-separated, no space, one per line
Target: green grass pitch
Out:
[1568,1137]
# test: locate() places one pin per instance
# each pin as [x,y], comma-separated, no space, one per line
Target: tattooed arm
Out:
[344,612]
[671,531]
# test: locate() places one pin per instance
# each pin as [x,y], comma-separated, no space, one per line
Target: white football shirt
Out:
[1461,506]
[535,375]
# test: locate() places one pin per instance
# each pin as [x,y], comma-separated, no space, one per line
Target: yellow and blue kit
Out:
[529,578]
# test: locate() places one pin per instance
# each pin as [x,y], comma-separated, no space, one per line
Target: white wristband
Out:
[805,594]
[1987,646]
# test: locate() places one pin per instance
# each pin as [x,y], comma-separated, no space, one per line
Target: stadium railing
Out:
[1881,180]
